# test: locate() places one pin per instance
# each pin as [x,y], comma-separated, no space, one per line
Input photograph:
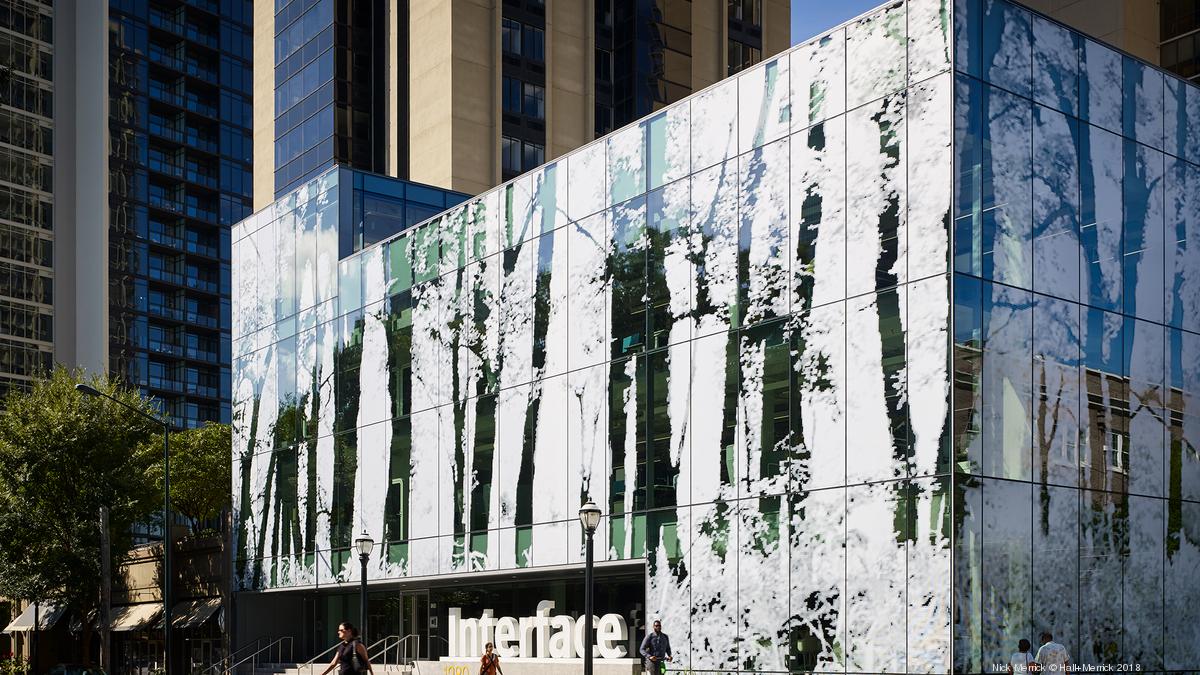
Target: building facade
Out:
[26,231]
[389,86]
[179,168]
[878,357]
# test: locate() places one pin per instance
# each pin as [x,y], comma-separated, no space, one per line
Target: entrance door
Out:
[414,612]
[383,619]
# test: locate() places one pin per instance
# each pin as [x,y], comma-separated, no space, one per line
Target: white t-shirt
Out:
[1053,657]
[1020,661]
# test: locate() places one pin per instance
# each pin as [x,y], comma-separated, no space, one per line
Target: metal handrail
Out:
[219,666]
[309,663]
[387,645]
[403,652]
[254,660]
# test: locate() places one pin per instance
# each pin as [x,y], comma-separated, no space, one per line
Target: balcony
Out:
[160,237]
[165,348]
[200,319]
[181,28]
[166,203]
[202,249]
[163,93]
[194,139]
[201,178]
[164,275]
[202,284]
[187,66]
[201,390]
[170,133]
[165,383]
[201,355]
[165,312]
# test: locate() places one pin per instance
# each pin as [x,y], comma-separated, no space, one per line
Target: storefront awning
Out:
[48,614]
[193,613]
[133,617]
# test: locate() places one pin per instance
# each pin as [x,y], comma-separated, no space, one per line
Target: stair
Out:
[294,669]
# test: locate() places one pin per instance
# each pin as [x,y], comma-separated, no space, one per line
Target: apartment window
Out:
[534,43]
[535,101]
[742,56]
[512,95]
[604,119]
[510,154]
[534,155]
[510,36]
[603,65]
[749,11]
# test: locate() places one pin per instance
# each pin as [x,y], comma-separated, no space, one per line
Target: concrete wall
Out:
[264,103]
[81,148]
[454,106]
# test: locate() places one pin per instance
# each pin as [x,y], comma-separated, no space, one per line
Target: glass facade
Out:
[179,178]
[26,230]
[328,96]
[1076,352]
[878,356]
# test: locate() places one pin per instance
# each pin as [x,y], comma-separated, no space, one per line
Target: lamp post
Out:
[589,517]
[364,544]
[87,390]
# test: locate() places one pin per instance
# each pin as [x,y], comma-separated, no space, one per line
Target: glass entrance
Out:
[383,619]
[414,613]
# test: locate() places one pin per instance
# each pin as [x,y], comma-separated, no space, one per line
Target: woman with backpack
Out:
[350,657]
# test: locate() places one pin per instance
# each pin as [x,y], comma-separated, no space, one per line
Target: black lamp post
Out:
[87,390]
[589,517]
[364,544]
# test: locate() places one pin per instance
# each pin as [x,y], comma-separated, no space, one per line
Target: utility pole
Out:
[105,593]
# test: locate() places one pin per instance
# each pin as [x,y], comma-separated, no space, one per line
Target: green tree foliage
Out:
[63,455]
[200,472]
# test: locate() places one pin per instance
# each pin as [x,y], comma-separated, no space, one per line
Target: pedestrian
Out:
[350,656]
[1021,660]
[489,663]
[1052,656]
[656,650]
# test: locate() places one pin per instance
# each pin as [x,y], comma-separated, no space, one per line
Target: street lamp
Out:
[87,390]
[364,544]
[589,517]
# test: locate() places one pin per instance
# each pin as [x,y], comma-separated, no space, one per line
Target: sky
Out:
[810,17]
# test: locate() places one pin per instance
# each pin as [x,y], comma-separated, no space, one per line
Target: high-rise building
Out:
[26,191]
[1165,33]
[152,167]
[463,94]
[878,356]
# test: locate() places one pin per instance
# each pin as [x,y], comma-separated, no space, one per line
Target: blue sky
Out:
[810,17]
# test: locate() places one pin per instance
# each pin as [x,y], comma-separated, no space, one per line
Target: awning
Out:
[193,613]
[133,617]
[48,614]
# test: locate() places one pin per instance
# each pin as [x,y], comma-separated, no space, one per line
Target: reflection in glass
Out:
[1007,51]
[1055,66]
[993,219]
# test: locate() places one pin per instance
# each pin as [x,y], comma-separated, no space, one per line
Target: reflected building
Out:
[464,95]
[879,356]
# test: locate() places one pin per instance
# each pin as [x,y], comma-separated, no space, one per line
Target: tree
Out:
[62,457]
[200,472]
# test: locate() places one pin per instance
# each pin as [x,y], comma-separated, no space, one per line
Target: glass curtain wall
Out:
[665,322]
[877,366]
[1076,353]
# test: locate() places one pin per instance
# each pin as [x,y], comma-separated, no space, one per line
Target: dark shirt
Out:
[346,657]
[655,644]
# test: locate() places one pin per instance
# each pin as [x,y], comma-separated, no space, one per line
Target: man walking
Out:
[1052,656]
[656,650]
